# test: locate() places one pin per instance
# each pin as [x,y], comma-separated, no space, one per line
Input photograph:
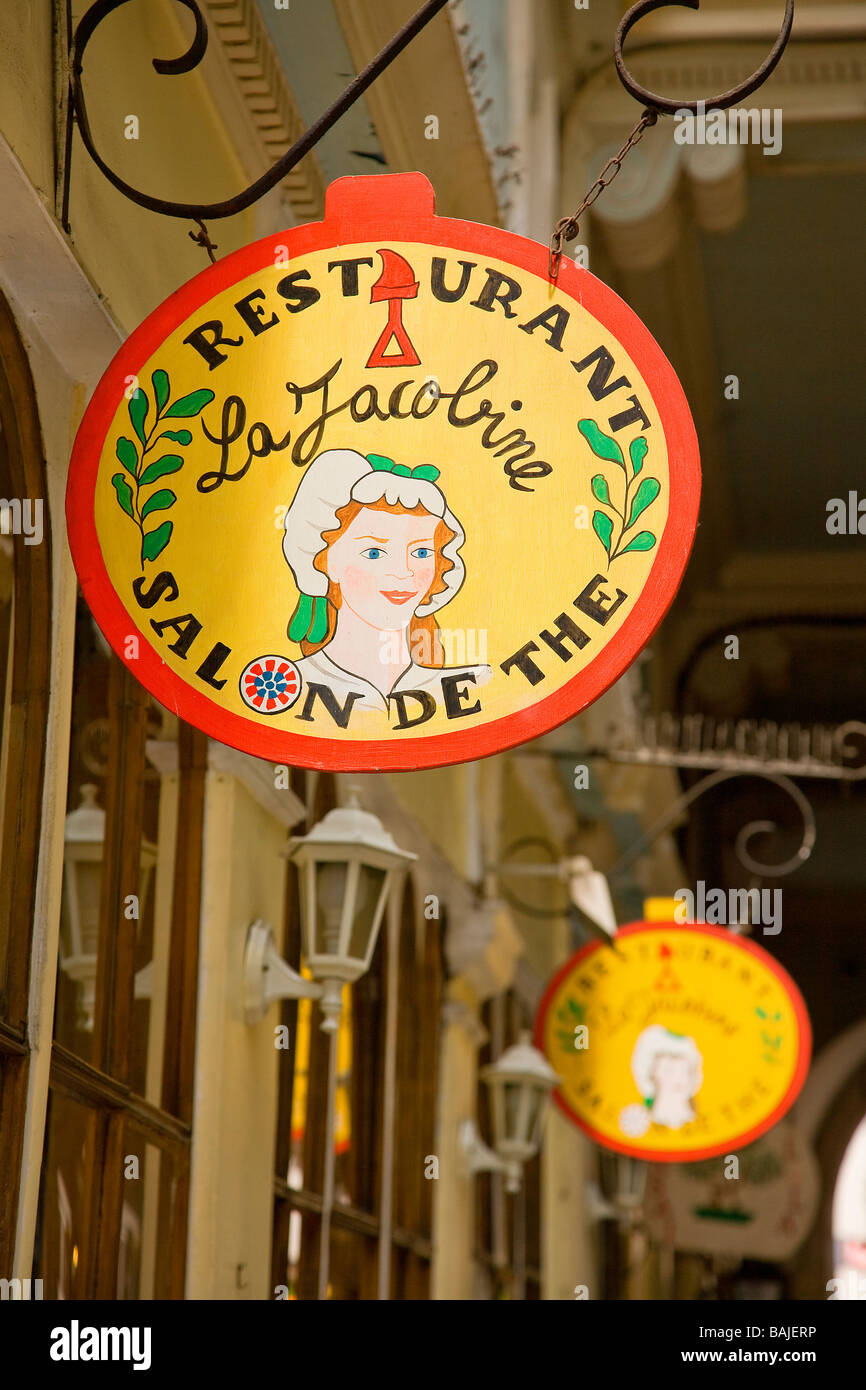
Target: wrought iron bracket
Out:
[559,869]
[654,106]
[227,207]
[833,753]
[756,827]
[669,107]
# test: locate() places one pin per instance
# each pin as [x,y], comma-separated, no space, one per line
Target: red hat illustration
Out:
[397,281]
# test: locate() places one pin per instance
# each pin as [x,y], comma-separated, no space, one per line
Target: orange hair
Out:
[422,631]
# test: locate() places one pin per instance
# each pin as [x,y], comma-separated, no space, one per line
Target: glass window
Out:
[65,1221]
[117,1155]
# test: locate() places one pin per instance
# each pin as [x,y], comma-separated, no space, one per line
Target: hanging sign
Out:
[677,1044]
[759,1203]
[374,493]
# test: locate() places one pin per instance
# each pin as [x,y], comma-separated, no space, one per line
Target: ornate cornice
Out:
[428,79]
[814,81]
[254,773]
[273,121]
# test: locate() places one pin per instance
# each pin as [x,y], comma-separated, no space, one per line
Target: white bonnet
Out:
[339,476]
[654,1041]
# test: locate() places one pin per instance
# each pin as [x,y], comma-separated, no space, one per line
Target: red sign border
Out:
[395,207]
[804,1048]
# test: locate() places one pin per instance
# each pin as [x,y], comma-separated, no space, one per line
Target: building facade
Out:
[154,1143]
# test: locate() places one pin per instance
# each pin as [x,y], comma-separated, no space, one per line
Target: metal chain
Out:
[202,238]
[567,228]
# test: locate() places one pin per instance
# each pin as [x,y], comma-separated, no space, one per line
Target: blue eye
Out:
[422,553]
[373,553]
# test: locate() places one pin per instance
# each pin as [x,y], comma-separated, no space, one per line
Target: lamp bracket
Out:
[268,977]
[480,1158]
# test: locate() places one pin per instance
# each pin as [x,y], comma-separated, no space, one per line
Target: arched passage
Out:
[829,1111]
[849,1219]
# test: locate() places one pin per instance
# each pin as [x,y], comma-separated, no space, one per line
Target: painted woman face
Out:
[673,1075]
[384,563]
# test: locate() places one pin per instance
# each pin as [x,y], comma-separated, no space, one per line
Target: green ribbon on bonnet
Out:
[380,464]
[310,619]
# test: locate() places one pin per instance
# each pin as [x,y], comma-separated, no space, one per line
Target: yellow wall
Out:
[437,799]
[135,257]
[454,1193]
[26,96]
[234,1120]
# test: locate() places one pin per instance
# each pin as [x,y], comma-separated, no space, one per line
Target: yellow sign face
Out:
[376,493]
[678,1044]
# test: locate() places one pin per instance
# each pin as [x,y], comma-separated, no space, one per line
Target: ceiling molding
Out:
[670,192]
[814,81]
[267,118]
[428,79]
[822,21]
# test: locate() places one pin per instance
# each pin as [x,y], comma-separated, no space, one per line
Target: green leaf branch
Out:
[616,532]
[138,476]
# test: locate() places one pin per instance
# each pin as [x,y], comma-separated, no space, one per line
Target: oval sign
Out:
[373,493]
[680,1043]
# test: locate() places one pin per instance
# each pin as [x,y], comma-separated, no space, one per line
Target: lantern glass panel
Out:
[79,942]
[538,1112]
[87,885]
[522,1107]
[370,884]
[331,880]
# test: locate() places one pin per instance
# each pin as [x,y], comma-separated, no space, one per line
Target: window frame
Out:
[23,767]
[102,1084]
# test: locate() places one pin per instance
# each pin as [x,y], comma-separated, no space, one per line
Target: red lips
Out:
[398,595]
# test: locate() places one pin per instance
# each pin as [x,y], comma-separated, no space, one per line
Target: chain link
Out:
[567,228]
[202,238]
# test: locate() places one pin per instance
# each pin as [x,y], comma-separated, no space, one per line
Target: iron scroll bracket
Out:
[665,105]
[567,228]
[557,869]
[187,62]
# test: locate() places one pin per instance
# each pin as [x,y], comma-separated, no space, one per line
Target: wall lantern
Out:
[347,865]
[624,1178]
[519,1083]
[84,840]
